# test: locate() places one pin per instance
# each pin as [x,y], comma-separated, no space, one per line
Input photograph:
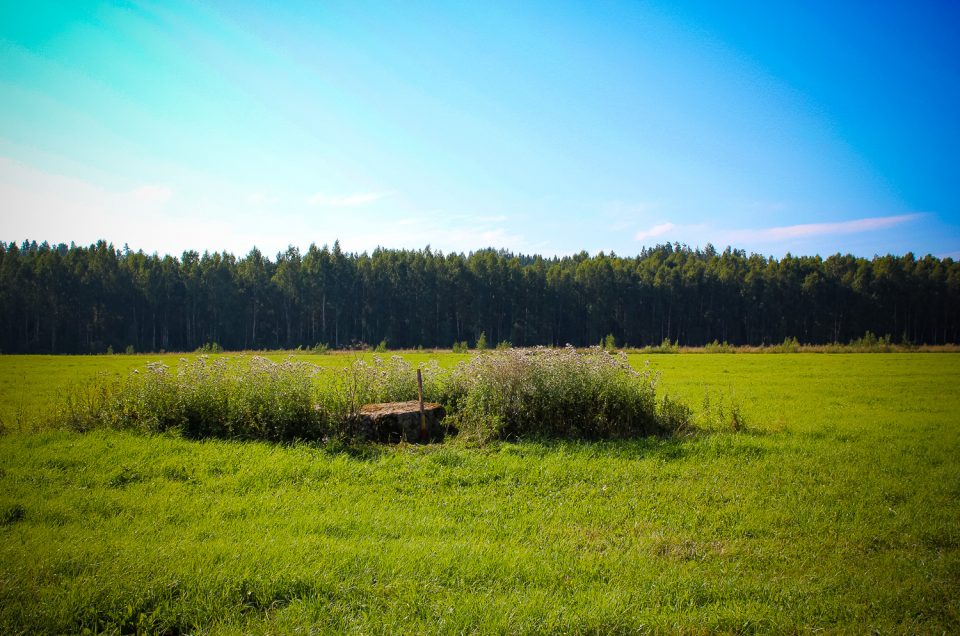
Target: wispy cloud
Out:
[347,200]
[437,227]
[806,230]
[61,208]
[780,237]
[656,230]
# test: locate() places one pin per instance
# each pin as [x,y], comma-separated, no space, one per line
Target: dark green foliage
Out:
[89,299]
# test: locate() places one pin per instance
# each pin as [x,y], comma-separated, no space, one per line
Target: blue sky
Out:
[546,128]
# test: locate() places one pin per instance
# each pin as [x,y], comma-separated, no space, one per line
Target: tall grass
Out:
[560,393]
[246,398]
[500,394]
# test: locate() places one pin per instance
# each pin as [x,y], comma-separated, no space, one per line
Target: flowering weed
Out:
[499,394]
[558,393]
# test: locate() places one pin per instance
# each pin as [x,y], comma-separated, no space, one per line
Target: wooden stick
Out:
[423,418]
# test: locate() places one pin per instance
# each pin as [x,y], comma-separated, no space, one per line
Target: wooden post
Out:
[423,419]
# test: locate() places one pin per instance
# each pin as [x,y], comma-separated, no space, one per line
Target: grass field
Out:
[837,510]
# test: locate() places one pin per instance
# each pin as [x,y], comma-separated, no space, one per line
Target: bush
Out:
[718,347]
[504,344]
[665,347]
[789,345]
[504,394]
[871,343]
[557,393]
[609,343]
[482,342]
[459,347]
[724,414]
[208,347]
[320,349]
[382,347]
[245,399]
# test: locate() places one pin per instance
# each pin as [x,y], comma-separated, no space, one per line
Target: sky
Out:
[550,128]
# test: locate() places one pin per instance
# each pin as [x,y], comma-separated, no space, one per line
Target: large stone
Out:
[397,421]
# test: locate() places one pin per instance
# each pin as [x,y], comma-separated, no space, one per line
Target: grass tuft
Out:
[558,393]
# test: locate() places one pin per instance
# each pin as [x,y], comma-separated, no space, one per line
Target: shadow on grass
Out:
[356,450]
[664,448]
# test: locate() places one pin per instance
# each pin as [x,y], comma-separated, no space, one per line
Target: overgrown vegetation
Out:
[558,393]
[717,347]
[245,398]
[504,393]
[664,347]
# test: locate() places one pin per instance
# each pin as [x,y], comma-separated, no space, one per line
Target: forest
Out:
[91,299]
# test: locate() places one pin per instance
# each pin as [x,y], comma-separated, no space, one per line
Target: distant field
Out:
[839,509]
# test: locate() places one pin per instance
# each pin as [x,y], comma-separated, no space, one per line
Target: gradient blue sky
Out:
[808,127]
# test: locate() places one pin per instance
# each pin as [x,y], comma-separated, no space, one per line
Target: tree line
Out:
[86,299]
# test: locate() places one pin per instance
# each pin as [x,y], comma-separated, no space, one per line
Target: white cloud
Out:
[59,208]
[656,230]
[807,230]
[345,201]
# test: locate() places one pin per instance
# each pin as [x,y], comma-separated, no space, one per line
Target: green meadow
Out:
[836,509]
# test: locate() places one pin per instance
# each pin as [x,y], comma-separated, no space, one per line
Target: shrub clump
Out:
[557,393]
[252,399]
[505,393]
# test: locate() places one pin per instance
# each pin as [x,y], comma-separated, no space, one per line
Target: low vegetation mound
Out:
[560,393]
[498,394]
